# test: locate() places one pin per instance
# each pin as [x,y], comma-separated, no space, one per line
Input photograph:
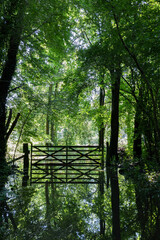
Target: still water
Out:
[67,211]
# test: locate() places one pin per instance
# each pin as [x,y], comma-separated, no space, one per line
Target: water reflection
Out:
[48,211]
[60,212]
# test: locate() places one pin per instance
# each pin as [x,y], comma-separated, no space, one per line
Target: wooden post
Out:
[25,164]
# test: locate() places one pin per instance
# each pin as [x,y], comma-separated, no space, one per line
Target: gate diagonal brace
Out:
[84,174]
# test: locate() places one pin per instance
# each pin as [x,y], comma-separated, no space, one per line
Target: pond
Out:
[72,211]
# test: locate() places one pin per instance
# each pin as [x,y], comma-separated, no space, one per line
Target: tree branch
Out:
[132,91]
[85,35]
[9,119]
[12,126]
[11,218]
[36,29]
[13,89]
[126,97]
[23,124]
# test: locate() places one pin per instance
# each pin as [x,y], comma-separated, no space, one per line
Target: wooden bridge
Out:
[65,164]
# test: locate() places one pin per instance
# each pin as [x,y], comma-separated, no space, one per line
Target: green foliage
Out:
[74,46]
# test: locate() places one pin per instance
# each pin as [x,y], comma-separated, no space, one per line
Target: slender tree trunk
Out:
[49,111]
[115,78]
[53,122]
[137,149]
[101,145]
[102,128]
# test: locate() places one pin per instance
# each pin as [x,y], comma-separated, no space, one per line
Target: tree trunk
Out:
[101,145]
[115,78]
[53,122]
[5,81]
[6,77]
[137,150]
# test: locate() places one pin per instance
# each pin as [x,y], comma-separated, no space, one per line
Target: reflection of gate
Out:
[65,164]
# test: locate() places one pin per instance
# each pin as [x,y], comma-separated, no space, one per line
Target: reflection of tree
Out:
[147,203]
[63,216]
[25,215]
[15,213]
[6,215]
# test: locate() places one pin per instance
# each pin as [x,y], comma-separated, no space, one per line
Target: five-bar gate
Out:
[66,164]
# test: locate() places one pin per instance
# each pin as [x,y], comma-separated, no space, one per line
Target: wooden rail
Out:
[16,159]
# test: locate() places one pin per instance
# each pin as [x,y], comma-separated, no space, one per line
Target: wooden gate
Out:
[66,164]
